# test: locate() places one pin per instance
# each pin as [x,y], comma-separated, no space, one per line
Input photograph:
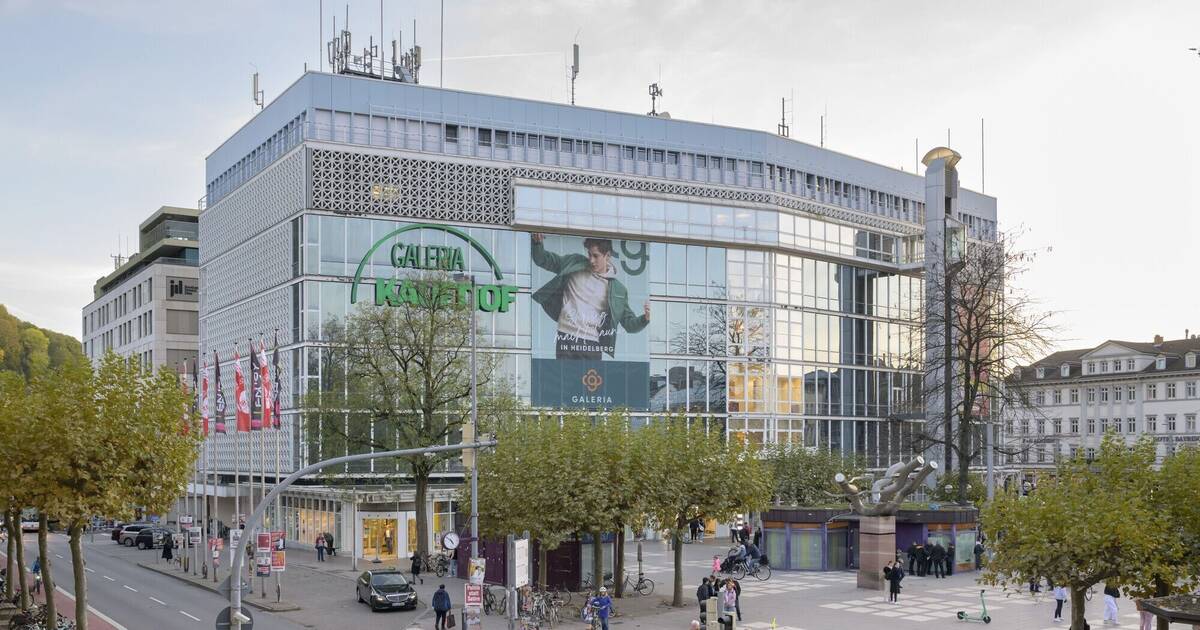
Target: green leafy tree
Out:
[399,377]
[946,491]
[690,470]
[14,412]
[27,349]
[1093,523]
[122,439]
[804,476]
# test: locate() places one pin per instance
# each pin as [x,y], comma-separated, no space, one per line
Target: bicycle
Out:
[586,584]
[491,603]
[643,585]
[438,563]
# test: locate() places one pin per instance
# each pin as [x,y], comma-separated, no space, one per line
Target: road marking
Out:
[109,579]
[158,600]
[58,556]
[89,570]
[189,616]
[106,618]
[129,587]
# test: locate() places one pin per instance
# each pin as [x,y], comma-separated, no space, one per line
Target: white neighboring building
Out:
[149,306]
[1125,387]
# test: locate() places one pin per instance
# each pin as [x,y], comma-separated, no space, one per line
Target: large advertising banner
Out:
[590,345]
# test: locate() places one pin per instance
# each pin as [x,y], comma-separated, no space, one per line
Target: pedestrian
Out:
[329,544]
[716,565]
[937,560]
[745,534]
[1035,585]
[1111,594]
[733,532]
[1147,618]
[168,547]
[320,548]
[441,607]
[893,572]
[703,592]
[752,556]
[1060,597]
[416,567]
[737,602]
[728,598]
[37,575]
[922,560]
[602,604]
[758,535]
[912,557]
[950,551]
[978,554]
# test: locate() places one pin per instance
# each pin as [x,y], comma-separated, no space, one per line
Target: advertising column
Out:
[590,345]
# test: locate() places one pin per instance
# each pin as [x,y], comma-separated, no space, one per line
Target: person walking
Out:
[1060,597]
[37,575]
[416,567]
[1111,595]
[602,605]
[329,544]
[441,607]
[168,547]
[703,592]
[320,548]
[758,535]
[893,572]
[978,554]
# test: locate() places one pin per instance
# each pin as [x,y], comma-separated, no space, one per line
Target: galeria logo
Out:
[592,380]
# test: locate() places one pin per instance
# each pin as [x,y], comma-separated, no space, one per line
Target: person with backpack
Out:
[441,607]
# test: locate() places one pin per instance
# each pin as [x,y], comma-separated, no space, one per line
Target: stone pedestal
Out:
[876,548]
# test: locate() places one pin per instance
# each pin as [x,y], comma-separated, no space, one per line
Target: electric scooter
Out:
[983,616]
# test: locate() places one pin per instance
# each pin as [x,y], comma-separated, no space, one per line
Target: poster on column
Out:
[591,348]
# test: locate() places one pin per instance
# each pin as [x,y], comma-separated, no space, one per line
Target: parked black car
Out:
[151,537]
[384,589]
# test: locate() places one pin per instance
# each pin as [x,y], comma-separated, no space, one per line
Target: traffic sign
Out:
[225,621]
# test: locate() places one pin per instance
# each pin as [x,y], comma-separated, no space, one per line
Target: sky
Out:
[1091,109]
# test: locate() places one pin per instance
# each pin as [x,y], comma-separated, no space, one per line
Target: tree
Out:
[993,326]
[14,410]
[690,470]
[804,476]
[1094,522]
[948,491]
[25,348]
[122,439]
[399,377]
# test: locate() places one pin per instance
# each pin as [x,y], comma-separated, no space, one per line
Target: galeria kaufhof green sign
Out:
[400,291]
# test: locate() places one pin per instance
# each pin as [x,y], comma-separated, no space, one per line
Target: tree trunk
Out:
[964,460]
[1161,589]
[20,537]
[47,577]
[619,562]
[597,562]
[421,477]
[677,587]
[12,556]
[542,570]
[81,616]
[1078,604]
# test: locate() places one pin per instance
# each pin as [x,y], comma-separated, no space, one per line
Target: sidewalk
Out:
[64,602]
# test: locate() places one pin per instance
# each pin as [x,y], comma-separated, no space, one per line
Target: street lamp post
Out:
[474,421]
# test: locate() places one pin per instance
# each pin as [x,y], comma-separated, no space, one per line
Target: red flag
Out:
[219,403]
[204,400]
[239,393]
[265,379]
[276,416]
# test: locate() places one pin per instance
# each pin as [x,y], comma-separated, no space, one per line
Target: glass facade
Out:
[781,347]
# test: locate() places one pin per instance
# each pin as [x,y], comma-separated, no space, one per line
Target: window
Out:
[1131,425]
[1104,366]
[1091,367]
[502,139]
[451,133]
[1117,391]
[1091,394]
[1151,424]
[1074,452]
[550,144]
[756,168]
[1041,453]
[1091,426]
[1057,396]
[1190,360]
[1103,394]
[1132,393]
[1189,423]
[1151,391]
[568,145]
[627,153]
[1116,365]
[598,148]
[672,157]
[1041,427]
[1170,423]
[657,154]
[1091,454]
[730,164]
[1041,372]
[1056,425]
[485,137]
[641,155]
[1074,395]
[1103,426]
[1189,389]
[1025,427]
[1170,391]
[1160,363]
[701,161]
[1040,397]
[531,141]
[1130,365]
[1065,371]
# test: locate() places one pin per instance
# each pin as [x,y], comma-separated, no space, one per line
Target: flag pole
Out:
[250,454]
[277,417]
[237,480]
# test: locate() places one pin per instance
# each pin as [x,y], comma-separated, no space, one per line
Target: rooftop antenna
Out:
[655,93]
[783,129]
[574,66]
[441,46]
[382,61]
[982,161]
[255,93]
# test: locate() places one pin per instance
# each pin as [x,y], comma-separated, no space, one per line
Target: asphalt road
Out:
[136,598]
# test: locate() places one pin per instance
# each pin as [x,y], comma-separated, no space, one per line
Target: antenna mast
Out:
[256,94]
[574,69]
[655,93]
[783,128]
